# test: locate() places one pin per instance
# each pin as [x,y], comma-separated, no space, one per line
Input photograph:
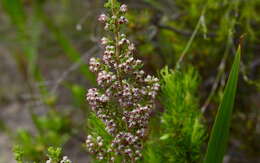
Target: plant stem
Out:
[194,33]
[117,36]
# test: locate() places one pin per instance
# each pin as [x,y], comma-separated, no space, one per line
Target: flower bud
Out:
[123,8]
[104,41]
[103,18]
[122,20]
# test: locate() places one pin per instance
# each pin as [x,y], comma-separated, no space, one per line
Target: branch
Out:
[72,68]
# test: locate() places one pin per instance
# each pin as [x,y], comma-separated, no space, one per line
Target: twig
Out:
[191,38]
[182,32]
[221,69]
[244,73]
[73,67]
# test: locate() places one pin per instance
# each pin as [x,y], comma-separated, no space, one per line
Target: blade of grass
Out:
[194,34]
[219,136]
[27,34]
[15,11]
[28,28]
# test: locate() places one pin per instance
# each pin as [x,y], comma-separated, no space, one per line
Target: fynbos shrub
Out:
[125,98]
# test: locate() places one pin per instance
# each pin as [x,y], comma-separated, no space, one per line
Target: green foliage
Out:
[52,130]
[54,154]
[15,10]
[28,33]
[96,127]
[219,136]
[205,38]
[18,154]
[78,95]
[112,4]
[222,21]
[180,135]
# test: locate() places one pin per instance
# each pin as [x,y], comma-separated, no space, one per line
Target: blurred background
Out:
[45,46]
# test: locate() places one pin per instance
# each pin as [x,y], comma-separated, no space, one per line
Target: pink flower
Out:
[123,8]
[122,20]
[103,18]
[104,41]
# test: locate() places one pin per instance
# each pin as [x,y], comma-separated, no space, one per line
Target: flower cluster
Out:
[96,99]
[126,96]
[127,144]
[95,146]
[138,118]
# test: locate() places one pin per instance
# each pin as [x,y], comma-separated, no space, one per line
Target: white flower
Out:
[48,161]
[104,41]
[103,18]
[65,160]
[123,8]
[122,20]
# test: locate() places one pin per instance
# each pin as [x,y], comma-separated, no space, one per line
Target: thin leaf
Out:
[28,35]
[219,136]
[14,9]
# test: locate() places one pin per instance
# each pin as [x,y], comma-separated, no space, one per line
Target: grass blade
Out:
[27,34]
[219,135]
[14,9]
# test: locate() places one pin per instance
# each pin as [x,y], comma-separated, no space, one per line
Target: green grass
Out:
[28,34]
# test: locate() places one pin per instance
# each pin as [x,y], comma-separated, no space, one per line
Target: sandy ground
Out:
[5,150]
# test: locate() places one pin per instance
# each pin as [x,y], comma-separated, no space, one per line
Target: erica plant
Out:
[125,97]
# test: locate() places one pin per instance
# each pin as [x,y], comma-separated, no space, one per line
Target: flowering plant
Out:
[54,155]
[125,99]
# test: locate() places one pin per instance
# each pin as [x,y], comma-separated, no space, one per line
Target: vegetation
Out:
[190,45]
[180,134]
